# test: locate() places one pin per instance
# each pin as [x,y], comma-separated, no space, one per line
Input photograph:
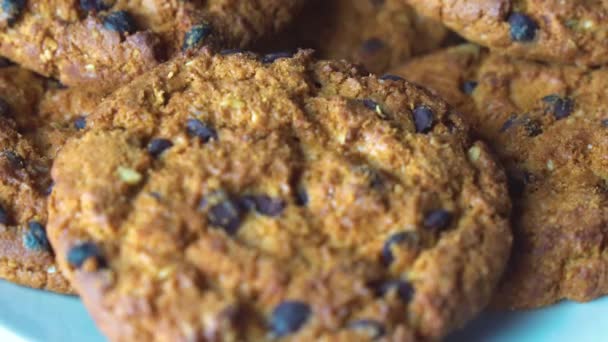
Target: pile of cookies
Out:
[303,170]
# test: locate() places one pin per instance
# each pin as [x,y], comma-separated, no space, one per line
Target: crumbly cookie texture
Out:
[376,34]
[236,198]
[110,41]
[549,126]
[37,116]
[25,254]
[570,32]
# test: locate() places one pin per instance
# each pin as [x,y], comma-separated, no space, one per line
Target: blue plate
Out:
[39,316]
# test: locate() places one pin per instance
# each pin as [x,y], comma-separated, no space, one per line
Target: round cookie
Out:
[110,41]
[377,34]
[569,32]
[549,126]
[38,116]
[234,198]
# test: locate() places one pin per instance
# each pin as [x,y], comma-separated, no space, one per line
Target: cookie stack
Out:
[188,189]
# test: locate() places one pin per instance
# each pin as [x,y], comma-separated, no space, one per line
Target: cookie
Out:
[569,32]
[25,253]
[229,197]
[93,41]
[548,124]
[37,116]
[376,34]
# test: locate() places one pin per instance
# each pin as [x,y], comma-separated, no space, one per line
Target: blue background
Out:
[39,316]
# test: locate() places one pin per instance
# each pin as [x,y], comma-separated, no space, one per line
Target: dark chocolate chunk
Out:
[523,28]
[196,36]
[119,21]
[157,146]
[34,238]
[79,254]
[80,123]
[423,119]
[438,219]
[197,128]
[288,317]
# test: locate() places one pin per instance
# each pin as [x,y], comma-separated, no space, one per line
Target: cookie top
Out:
[549,126]
[38,115]
[233,198]
[568,32]
[376,34]
[110,41]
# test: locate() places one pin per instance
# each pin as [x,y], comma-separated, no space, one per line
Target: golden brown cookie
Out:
[570,32]
[549,125]
[37,117]
[25,253]
[236,198]
[110,41]
[375,33]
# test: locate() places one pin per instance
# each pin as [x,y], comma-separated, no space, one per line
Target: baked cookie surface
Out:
[375,34]
[548,125]
[110,41]
[570,32]
[233,198]
[38,115]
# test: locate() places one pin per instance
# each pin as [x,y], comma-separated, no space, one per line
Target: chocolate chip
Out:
[196,36]
[523,28]
[404,289]
[372,46]
[509,123]
[264,204]
[400,238]
[561,107]
[5,108]
[438,219]
[157,146]
[468,87]
[34,238]
[82,252]
[227,215]
[288,317]
[423,119]
[301,197]
[197,128]
[12,10]
[605,123]
[95,5]
[390,77]
[119,21]
[5,62]
[3,216]
[533,127]
[272,57]
[80,123]
[14,159]
[372,329]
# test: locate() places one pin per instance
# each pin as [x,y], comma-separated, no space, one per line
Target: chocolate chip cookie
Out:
[549,126]
[237,198]
[25,253]
[376,34]
[37,116]
[569,32]
[110,41]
